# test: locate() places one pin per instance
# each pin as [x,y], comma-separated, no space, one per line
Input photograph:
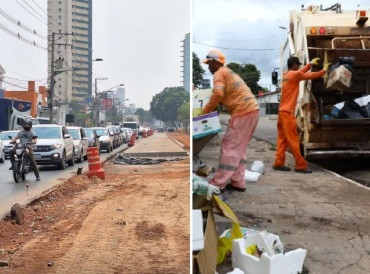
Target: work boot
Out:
[11,167]
[305,170]
[281,168]
[38,178]
[231,187]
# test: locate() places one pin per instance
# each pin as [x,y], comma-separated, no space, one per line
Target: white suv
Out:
[54,146]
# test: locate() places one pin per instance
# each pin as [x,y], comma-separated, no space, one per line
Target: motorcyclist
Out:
[26,136]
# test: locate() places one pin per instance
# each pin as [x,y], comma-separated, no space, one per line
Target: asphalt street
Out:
[11,192]
[354,169]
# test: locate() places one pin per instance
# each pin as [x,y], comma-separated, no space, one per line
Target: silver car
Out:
[80,142]
[54,146]
[4,136]
[106,139]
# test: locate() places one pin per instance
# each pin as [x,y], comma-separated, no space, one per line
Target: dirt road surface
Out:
[323,213]
[135,221]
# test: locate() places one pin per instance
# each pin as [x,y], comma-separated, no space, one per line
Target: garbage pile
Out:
[358,108]
[252,251]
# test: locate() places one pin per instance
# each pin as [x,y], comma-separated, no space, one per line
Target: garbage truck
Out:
[13,113]
[332,112]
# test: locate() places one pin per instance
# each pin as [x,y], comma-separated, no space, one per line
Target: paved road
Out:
[11,193]
[355,169]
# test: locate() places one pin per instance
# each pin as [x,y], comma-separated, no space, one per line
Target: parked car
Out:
[113,132]
[92,137]
[106,138]
[2,152]
[80,142]
[118,135]
[161,129]
[4,136]
[54,146]
[171,129]
[128,133]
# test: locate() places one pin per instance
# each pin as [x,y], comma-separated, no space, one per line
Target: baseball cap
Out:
[215,55]
[293,60]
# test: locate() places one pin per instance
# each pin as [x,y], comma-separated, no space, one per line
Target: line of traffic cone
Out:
[95,167]
[132,140]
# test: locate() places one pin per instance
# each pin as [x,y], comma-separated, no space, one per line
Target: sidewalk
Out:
[324,213]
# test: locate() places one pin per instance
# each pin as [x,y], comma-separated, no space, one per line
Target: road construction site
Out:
[323,212]
[134,221]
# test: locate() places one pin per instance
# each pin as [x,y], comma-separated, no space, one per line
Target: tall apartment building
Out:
[186,57]
[67,16]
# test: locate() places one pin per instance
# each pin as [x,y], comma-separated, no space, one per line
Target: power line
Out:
[21,80]
[240,40]
[24,1]
[17,35]
[30,12]
[241,49]
[18,23]
[15,85]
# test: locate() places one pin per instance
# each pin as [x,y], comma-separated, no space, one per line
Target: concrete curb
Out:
[177,142]
[51,189]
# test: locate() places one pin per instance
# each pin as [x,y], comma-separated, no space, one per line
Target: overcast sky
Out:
[248,24]
[140,42]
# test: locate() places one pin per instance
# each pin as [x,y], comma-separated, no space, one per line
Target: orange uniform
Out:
[230,90]
[290,86]
[287,123]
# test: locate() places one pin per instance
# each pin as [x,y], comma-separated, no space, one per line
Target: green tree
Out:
[145,116]
[165,105]
[184,114]
[198,71]
[249,73]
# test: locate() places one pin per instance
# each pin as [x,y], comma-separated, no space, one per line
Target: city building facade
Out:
[67,17]
[186,63]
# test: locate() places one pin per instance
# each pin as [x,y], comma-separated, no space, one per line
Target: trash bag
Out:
[258,166]
[202,187]
[352,110]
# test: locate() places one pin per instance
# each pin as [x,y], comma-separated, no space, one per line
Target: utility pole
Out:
[95,108]
[53,73]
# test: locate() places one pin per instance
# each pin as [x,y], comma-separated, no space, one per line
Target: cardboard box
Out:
[205,261]
[206,124]
[339,79]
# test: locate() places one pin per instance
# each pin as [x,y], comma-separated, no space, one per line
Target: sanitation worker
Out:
[287,123]
[230,90]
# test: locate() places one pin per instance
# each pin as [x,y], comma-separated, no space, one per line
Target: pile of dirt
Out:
[134,221]
[182,138]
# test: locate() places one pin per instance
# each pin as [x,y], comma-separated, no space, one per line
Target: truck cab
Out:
[333,35]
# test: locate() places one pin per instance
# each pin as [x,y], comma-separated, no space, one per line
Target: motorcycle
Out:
[21,164]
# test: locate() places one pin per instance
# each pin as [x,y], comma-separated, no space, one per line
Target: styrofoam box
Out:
[289,263]
[197,230]
[206,124]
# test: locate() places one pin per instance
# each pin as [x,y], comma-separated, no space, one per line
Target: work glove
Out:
[326,67]
[315,61]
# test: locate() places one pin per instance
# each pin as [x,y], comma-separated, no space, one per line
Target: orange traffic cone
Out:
[132,140]
[95,167]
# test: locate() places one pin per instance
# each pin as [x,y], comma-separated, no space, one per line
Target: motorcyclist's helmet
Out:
[27,125]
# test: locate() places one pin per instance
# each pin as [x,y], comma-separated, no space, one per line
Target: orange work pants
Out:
[288,138]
